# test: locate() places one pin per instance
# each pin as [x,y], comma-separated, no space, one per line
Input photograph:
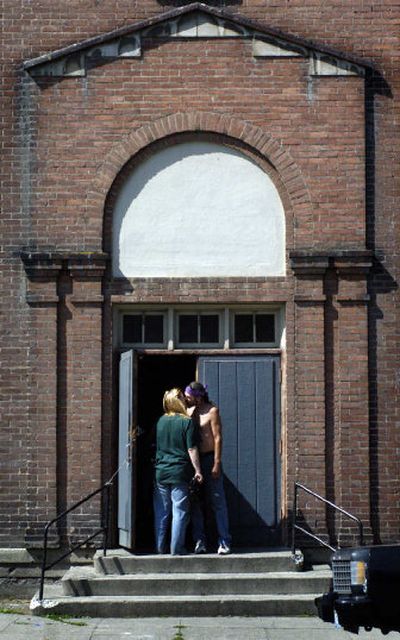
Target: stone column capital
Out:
[350,266]
[44,268]
[309,270]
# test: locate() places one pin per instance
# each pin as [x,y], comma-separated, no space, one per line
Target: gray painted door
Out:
[247,391]
[125,451]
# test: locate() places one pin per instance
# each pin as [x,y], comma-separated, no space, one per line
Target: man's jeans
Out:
[171,500]
[215,495]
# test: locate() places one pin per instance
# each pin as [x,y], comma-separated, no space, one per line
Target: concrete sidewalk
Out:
[27,627]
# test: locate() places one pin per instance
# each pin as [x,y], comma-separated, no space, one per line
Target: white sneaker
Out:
[223,549]
[200,547]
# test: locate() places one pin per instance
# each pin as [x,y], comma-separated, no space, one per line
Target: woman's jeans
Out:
[171,500]
[215,496]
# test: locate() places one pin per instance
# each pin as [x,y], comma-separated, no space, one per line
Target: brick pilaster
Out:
[331,387]
[42,296]
[83,438]
[352,393]
[65,294]
[309,387]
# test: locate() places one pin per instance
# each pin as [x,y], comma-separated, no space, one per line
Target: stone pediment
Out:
[195,20]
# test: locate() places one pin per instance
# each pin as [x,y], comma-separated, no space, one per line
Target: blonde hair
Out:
[173,404]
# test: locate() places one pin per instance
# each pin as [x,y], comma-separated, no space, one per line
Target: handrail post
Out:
[294,518]
[44,562]
[361,533]
[106,518]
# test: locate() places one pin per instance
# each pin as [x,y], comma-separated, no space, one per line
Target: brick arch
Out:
[294,193]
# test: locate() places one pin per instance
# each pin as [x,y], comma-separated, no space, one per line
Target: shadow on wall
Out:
[324,523]
[248,527]
[380,283]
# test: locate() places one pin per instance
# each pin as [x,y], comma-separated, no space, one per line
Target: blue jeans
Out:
[215,495]
[171,500]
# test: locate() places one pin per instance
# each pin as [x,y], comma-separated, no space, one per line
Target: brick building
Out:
[210,190]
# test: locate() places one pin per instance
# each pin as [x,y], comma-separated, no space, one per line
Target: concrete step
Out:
[178,606]
[263,583]
[121,562]
[85,582]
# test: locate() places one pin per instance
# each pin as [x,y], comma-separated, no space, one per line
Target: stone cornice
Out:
[345,262]
[43,270]
[41,264]
[308,264]
[350,266]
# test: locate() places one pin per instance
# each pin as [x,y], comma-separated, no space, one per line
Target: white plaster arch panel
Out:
[198,209]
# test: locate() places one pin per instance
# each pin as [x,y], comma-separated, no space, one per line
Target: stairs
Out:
[242,584]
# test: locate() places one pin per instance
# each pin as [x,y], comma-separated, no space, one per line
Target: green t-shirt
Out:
[175,435]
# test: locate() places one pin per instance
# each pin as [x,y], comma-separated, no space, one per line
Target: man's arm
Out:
[195,460]
[216,428]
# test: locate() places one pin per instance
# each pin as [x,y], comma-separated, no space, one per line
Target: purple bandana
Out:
[197,393]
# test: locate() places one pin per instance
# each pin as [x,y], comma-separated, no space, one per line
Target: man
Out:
[206,415]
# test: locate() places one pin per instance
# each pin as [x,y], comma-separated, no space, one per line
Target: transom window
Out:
[253,328]
[199,329]
[213,328]
[143,328]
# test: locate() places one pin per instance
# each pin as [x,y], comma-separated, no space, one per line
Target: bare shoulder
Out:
[213,411]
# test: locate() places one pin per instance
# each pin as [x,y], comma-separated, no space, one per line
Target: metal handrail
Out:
[296,527]
[103,529]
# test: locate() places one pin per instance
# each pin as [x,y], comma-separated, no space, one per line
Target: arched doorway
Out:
[199,210]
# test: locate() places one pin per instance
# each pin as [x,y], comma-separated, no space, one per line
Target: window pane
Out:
[154,329]
[265,327]
[244,328]
[188,329]
[209,326]
[132,328]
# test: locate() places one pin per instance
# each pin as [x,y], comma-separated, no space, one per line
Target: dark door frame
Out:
[140,353]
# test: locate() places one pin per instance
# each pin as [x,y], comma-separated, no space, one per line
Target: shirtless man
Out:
[208,420]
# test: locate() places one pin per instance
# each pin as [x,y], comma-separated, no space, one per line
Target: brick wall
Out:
[65,141]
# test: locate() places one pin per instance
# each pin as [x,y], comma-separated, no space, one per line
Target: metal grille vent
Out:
[341,576]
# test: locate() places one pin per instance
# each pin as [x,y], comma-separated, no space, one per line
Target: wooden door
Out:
[247,392]
[126,451]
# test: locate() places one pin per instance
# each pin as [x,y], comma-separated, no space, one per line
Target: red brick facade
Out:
[331,145]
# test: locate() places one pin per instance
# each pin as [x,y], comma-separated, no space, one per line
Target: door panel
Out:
[126,452]
[246,389]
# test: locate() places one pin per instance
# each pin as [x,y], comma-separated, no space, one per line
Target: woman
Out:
[176,457]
